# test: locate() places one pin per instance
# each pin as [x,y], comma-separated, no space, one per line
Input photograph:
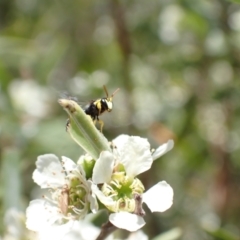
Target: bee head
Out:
[109,104]
[109,100]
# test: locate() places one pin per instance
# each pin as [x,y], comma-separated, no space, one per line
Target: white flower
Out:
[72,230]
[70,194]
[14,225]
[121,192]
[138,235]
[31,97]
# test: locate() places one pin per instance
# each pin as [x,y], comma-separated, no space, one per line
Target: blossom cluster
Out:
[77,188]
[106,177]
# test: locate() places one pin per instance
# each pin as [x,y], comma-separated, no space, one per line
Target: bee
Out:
[99,106]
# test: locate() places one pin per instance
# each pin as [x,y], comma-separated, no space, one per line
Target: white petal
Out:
[92,198]
[163,149]
[71,235]
[87,230]
[107,201]
[55,232]
[41,214]
[126,220]
[134,154]
[72,230]
[68,164]
[139,235]
[159,197]
[49,172]
[120,141]
[103,168]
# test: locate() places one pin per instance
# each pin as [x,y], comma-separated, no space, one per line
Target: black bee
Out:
[99,106]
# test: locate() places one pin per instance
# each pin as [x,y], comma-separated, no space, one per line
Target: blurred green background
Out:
[177,64]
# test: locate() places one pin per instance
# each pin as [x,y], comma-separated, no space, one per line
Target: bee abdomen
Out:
[92,111]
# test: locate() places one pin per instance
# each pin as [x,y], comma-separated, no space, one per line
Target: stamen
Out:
[116,183]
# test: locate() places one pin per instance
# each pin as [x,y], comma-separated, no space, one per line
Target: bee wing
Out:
[82,104]
[66,95]
[87,105]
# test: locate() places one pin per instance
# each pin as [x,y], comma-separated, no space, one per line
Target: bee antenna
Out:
[115,92]
[105,89]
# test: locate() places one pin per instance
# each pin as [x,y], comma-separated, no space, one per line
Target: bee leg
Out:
[101,123]
[94,121]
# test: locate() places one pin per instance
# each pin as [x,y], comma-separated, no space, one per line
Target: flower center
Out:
[73,201]
[122,190]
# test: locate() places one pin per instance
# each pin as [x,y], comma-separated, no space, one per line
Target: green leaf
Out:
[83,131]
[221,234]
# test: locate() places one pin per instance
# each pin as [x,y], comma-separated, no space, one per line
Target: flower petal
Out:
[87,230]
[57,232]
[107,201]
[139,235]
[134,153]
[41,214]
[163,149]
[68,164]
[103,168]
[126,220]
[159,197]
[72,230]
[49,172]
[92,198]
